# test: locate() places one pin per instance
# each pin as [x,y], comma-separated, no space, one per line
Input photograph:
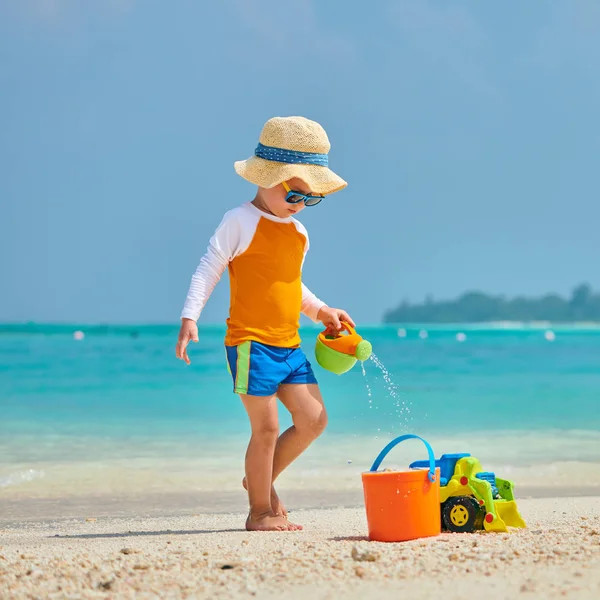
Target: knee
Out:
[317,426]
[312,426]
[266,433]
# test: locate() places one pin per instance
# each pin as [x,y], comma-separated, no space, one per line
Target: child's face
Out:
[274,198]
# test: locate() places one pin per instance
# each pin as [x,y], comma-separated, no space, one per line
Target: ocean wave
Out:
[14,479]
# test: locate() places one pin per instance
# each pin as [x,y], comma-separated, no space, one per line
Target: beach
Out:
[155,161]
[210,556]
[120,468]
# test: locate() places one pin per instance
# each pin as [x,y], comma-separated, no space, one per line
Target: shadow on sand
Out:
[94,536]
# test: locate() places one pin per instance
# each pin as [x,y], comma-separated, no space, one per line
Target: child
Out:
[263,247]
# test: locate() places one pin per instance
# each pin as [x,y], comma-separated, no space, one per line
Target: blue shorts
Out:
[259,370]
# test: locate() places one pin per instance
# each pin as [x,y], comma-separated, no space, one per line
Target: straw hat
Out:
[291,147]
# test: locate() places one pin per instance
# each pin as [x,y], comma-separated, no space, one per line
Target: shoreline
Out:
[211,556]
[22,509]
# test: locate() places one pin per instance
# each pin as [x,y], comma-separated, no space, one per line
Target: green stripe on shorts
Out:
[242,375]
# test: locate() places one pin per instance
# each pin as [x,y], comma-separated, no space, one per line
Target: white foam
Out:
[14,479]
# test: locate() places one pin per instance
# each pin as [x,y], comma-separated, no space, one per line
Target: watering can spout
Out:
[363,350]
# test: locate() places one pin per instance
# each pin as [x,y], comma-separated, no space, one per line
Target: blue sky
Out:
[468,132]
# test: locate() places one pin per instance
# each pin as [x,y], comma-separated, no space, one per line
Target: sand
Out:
[210,556]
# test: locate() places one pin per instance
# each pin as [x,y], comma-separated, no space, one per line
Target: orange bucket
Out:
[402,505]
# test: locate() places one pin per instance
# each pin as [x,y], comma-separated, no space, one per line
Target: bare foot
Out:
[269,522]
[276,503]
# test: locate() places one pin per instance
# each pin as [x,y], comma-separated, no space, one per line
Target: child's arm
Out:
[316,310]
[311,305]
[223,246]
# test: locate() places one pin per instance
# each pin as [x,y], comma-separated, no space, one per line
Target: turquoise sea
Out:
[114,419]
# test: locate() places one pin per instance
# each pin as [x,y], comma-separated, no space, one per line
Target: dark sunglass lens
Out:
[294,198]
[313,201]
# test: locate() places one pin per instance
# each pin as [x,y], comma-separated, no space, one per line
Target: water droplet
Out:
[401,406]
[364,372]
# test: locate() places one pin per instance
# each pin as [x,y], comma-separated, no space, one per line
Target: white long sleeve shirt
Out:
[265,255]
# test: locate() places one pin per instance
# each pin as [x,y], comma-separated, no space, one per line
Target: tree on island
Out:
[478,307]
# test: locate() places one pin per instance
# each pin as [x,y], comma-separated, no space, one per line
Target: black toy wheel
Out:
[462,514]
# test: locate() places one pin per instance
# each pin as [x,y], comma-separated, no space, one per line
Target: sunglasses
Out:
[294,197]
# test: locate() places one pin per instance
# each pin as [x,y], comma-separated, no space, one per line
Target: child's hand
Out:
[187,333]
[332,317]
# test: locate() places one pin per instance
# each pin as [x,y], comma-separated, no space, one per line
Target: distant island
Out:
[478,307]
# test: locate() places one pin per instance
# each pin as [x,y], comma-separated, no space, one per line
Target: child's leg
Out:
[305,403]
[262,412]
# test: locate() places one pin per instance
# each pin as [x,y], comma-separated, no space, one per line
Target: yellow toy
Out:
[472,498]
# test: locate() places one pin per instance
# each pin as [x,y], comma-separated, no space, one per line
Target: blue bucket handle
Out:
[402,438]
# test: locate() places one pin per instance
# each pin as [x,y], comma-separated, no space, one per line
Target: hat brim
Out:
[268,174]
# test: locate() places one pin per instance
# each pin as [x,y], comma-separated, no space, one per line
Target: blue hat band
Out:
[292,157]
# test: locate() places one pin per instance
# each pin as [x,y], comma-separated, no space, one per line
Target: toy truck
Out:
[471,498]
